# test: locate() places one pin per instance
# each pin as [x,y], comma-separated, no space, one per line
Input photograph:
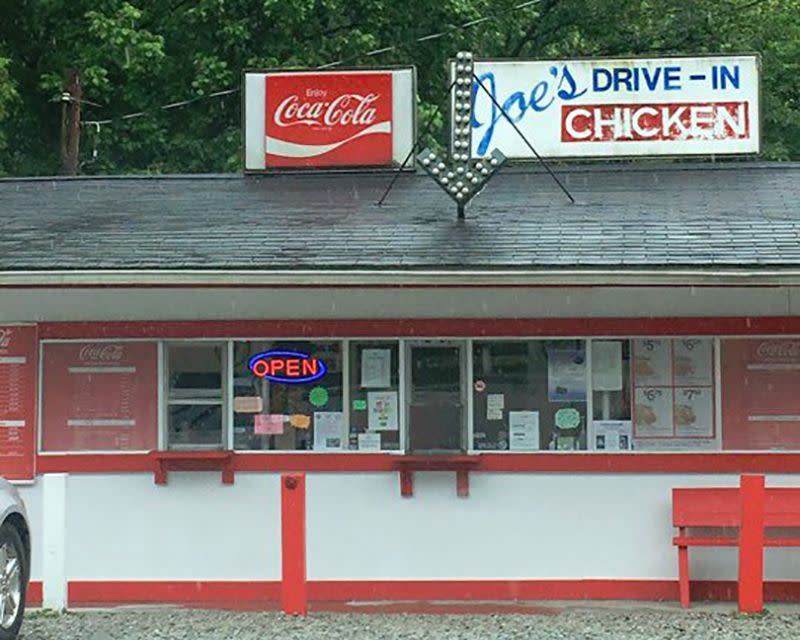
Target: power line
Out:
[330,65]
[524,138]
[427,129]
[164,107]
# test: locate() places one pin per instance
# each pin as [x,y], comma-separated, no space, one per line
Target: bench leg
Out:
[683,576]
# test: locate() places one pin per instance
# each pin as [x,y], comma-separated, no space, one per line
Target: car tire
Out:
[13,582]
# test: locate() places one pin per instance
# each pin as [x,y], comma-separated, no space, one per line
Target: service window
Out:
[760,399]
[673,394]
[529,395]
[436,391]
[374,395]
[100,396]
[196,395]
[288,396]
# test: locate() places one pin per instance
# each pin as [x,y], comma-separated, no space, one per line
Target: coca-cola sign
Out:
[781,350]
[5,338]
[328,119]
[101,353]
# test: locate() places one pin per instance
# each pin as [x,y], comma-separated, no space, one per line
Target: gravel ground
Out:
[573,623]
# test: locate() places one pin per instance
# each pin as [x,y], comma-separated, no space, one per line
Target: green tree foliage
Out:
[137,55]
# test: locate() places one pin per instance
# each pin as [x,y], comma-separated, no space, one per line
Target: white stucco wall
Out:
[512,526]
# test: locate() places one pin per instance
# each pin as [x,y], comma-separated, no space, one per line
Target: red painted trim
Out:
[294,589]
[87,593]
[751,544]
[338,590]
[166,461]
[95,463]
[544,462]
[83,593]
[33,598]
[436,327]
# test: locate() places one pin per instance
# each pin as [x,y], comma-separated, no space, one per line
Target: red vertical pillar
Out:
[751,545]
[294,595]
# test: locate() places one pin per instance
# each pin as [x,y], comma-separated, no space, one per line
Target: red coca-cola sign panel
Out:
[328,119]
[18,357]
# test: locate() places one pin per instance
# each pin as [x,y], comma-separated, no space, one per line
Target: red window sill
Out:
[544,462]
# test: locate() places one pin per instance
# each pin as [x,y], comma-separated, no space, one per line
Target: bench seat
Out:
[716,508]
[728,541]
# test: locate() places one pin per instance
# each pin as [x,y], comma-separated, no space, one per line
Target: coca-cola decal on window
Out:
[323,120]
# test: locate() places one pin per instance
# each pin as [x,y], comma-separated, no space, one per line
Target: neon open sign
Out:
[288,367]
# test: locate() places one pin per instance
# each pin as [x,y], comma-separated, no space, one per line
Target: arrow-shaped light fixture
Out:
[464,177]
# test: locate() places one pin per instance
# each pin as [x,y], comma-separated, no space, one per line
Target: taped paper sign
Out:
[268,424]
[612,435]
[382,410]
[248,404]
[376,368]
[369,441]
[495,402]
[328,431]
[523,430]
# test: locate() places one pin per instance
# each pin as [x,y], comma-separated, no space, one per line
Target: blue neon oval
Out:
[266,355]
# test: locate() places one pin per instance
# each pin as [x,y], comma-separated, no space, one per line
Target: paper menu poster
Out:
[652,362]
[694,412]
[607,365]
[382,411]
[376,368]
[328,431]
[653,412]
[268,424]
[523,430]
[495,402]
[566,375]
[693,362]
[369,441]
[611,435]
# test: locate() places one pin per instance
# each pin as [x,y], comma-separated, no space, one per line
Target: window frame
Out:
[344,348]
[225,402]
[463,344]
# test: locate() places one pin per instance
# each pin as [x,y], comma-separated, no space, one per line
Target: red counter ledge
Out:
[166,461]
[462,465]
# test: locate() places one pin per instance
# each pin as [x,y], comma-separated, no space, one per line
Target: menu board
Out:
[17,401]
[673,388]
[100,396]
[760,399]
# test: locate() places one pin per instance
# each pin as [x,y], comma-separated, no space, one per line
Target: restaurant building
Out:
[490,397]
[564,366]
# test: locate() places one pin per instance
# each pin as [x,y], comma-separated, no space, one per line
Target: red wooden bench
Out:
[718,508]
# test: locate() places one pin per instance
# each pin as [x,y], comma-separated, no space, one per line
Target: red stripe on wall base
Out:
[33,598]
[89,593]
[267,593]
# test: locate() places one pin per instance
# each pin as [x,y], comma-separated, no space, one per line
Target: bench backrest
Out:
[721,507]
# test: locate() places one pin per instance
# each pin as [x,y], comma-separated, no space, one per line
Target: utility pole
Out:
[70,122]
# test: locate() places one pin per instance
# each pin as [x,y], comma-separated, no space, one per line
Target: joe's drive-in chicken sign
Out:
[318,119]
[618,107]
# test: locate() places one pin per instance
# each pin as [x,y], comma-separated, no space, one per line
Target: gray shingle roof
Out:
[641,215]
